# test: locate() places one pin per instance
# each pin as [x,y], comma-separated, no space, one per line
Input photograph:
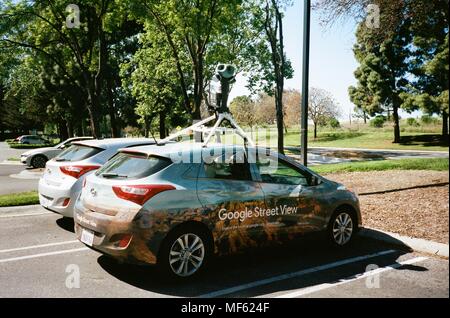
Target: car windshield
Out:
[132,166]
[77,152]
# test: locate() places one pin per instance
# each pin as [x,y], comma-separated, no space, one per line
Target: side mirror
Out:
[315,181]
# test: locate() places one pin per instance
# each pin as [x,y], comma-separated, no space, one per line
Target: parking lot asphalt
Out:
[40,257]
[15,185]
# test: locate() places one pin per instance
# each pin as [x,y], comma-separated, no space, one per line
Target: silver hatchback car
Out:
[175,205]
[61,182]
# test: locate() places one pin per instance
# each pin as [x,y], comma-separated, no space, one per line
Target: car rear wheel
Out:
[342,227]
[184,253]
[38,162]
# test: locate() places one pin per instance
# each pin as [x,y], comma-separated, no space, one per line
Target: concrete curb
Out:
[416,244]
[19,208]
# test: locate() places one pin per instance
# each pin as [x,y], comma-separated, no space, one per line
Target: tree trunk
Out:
[198,88]
[365,117]
[111,109]
[62,125]
[280,126]
[444,123]
[69,128]
[162,124]
[396,124]
[315,131]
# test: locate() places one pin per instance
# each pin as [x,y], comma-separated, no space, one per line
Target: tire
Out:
[176,262]
[38,161]
[342,227]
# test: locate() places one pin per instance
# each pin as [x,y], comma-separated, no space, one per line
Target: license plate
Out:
[87,237]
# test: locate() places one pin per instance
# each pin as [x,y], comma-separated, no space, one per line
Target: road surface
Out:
[40,257]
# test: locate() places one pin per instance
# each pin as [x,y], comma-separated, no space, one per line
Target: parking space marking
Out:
[43,254]
[294,274]
[316,288]
[24,214]
[37,246]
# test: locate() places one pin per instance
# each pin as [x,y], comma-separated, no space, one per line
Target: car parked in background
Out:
[63,176]
[37,158]
[145,205]
[32,140]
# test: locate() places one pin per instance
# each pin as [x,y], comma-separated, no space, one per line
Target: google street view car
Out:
[61,182]
[174,205]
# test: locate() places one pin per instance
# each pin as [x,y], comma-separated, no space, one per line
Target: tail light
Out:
[77,171]
[121,240]
[66,202]
[140,193]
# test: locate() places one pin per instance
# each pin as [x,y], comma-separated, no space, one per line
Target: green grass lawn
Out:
[361,136]
[15,199]
[437,164]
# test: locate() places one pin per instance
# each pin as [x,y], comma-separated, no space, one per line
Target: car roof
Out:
[114,142]
[166,150]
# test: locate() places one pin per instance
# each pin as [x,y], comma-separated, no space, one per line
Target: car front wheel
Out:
[184,253]
[38,162]
[342,227]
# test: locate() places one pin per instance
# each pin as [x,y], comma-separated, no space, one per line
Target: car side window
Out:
[228,167]
[278,171]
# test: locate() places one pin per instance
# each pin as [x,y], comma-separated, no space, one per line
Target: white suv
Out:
[63,177]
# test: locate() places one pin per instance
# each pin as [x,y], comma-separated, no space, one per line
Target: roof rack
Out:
[212,131]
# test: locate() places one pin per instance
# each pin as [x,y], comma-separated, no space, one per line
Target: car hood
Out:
[44,150]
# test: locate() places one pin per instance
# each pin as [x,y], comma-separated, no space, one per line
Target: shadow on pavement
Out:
[66,224]
[263,263]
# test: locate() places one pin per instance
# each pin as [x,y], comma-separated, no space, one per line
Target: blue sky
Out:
[331,59]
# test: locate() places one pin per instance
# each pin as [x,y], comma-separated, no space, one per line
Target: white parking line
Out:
[350,279]
[24,214]
[294,274]
[43,254]
[37,246]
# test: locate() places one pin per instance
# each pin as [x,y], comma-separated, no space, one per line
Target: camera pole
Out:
[225,74]
[305,82]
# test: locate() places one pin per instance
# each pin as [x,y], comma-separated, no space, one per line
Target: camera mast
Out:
[218,104]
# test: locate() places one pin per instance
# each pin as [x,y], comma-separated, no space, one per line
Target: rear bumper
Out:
[106,229]
[52,197]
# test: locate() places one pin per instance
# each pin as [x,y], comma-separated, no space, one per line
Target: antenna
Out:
[219,91]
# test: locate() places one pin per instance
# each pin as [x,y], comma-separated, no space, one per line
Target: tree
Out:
[425,25]
[430,60]
[81,57]
[244,111]
[291,106]
[383,71]
[322,107]
[270,66]
[265,112]
[193,29]
[151,77]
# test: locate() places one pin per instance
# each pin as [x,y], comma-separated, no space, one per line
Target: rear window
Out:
[77,152]
[132,166]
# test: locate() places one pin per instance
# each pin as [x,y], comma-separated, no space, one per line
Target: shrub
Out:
[378,121]
[412,122]
[334,123]
[428,120]
[17,145]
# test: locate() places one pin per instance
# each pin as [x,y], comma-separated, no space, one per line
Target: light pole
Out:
[305,82]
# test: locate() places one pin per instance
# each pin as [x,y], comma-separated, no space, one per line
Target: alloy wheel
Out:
[186,254]
[342,228]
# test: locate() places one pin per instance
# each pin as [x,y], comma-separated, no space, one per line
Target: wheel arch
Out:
[200,226]
[348,208]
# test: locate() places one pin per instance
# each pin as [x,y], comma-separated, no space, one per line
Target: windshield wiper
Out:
[113,175]
[60,159]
